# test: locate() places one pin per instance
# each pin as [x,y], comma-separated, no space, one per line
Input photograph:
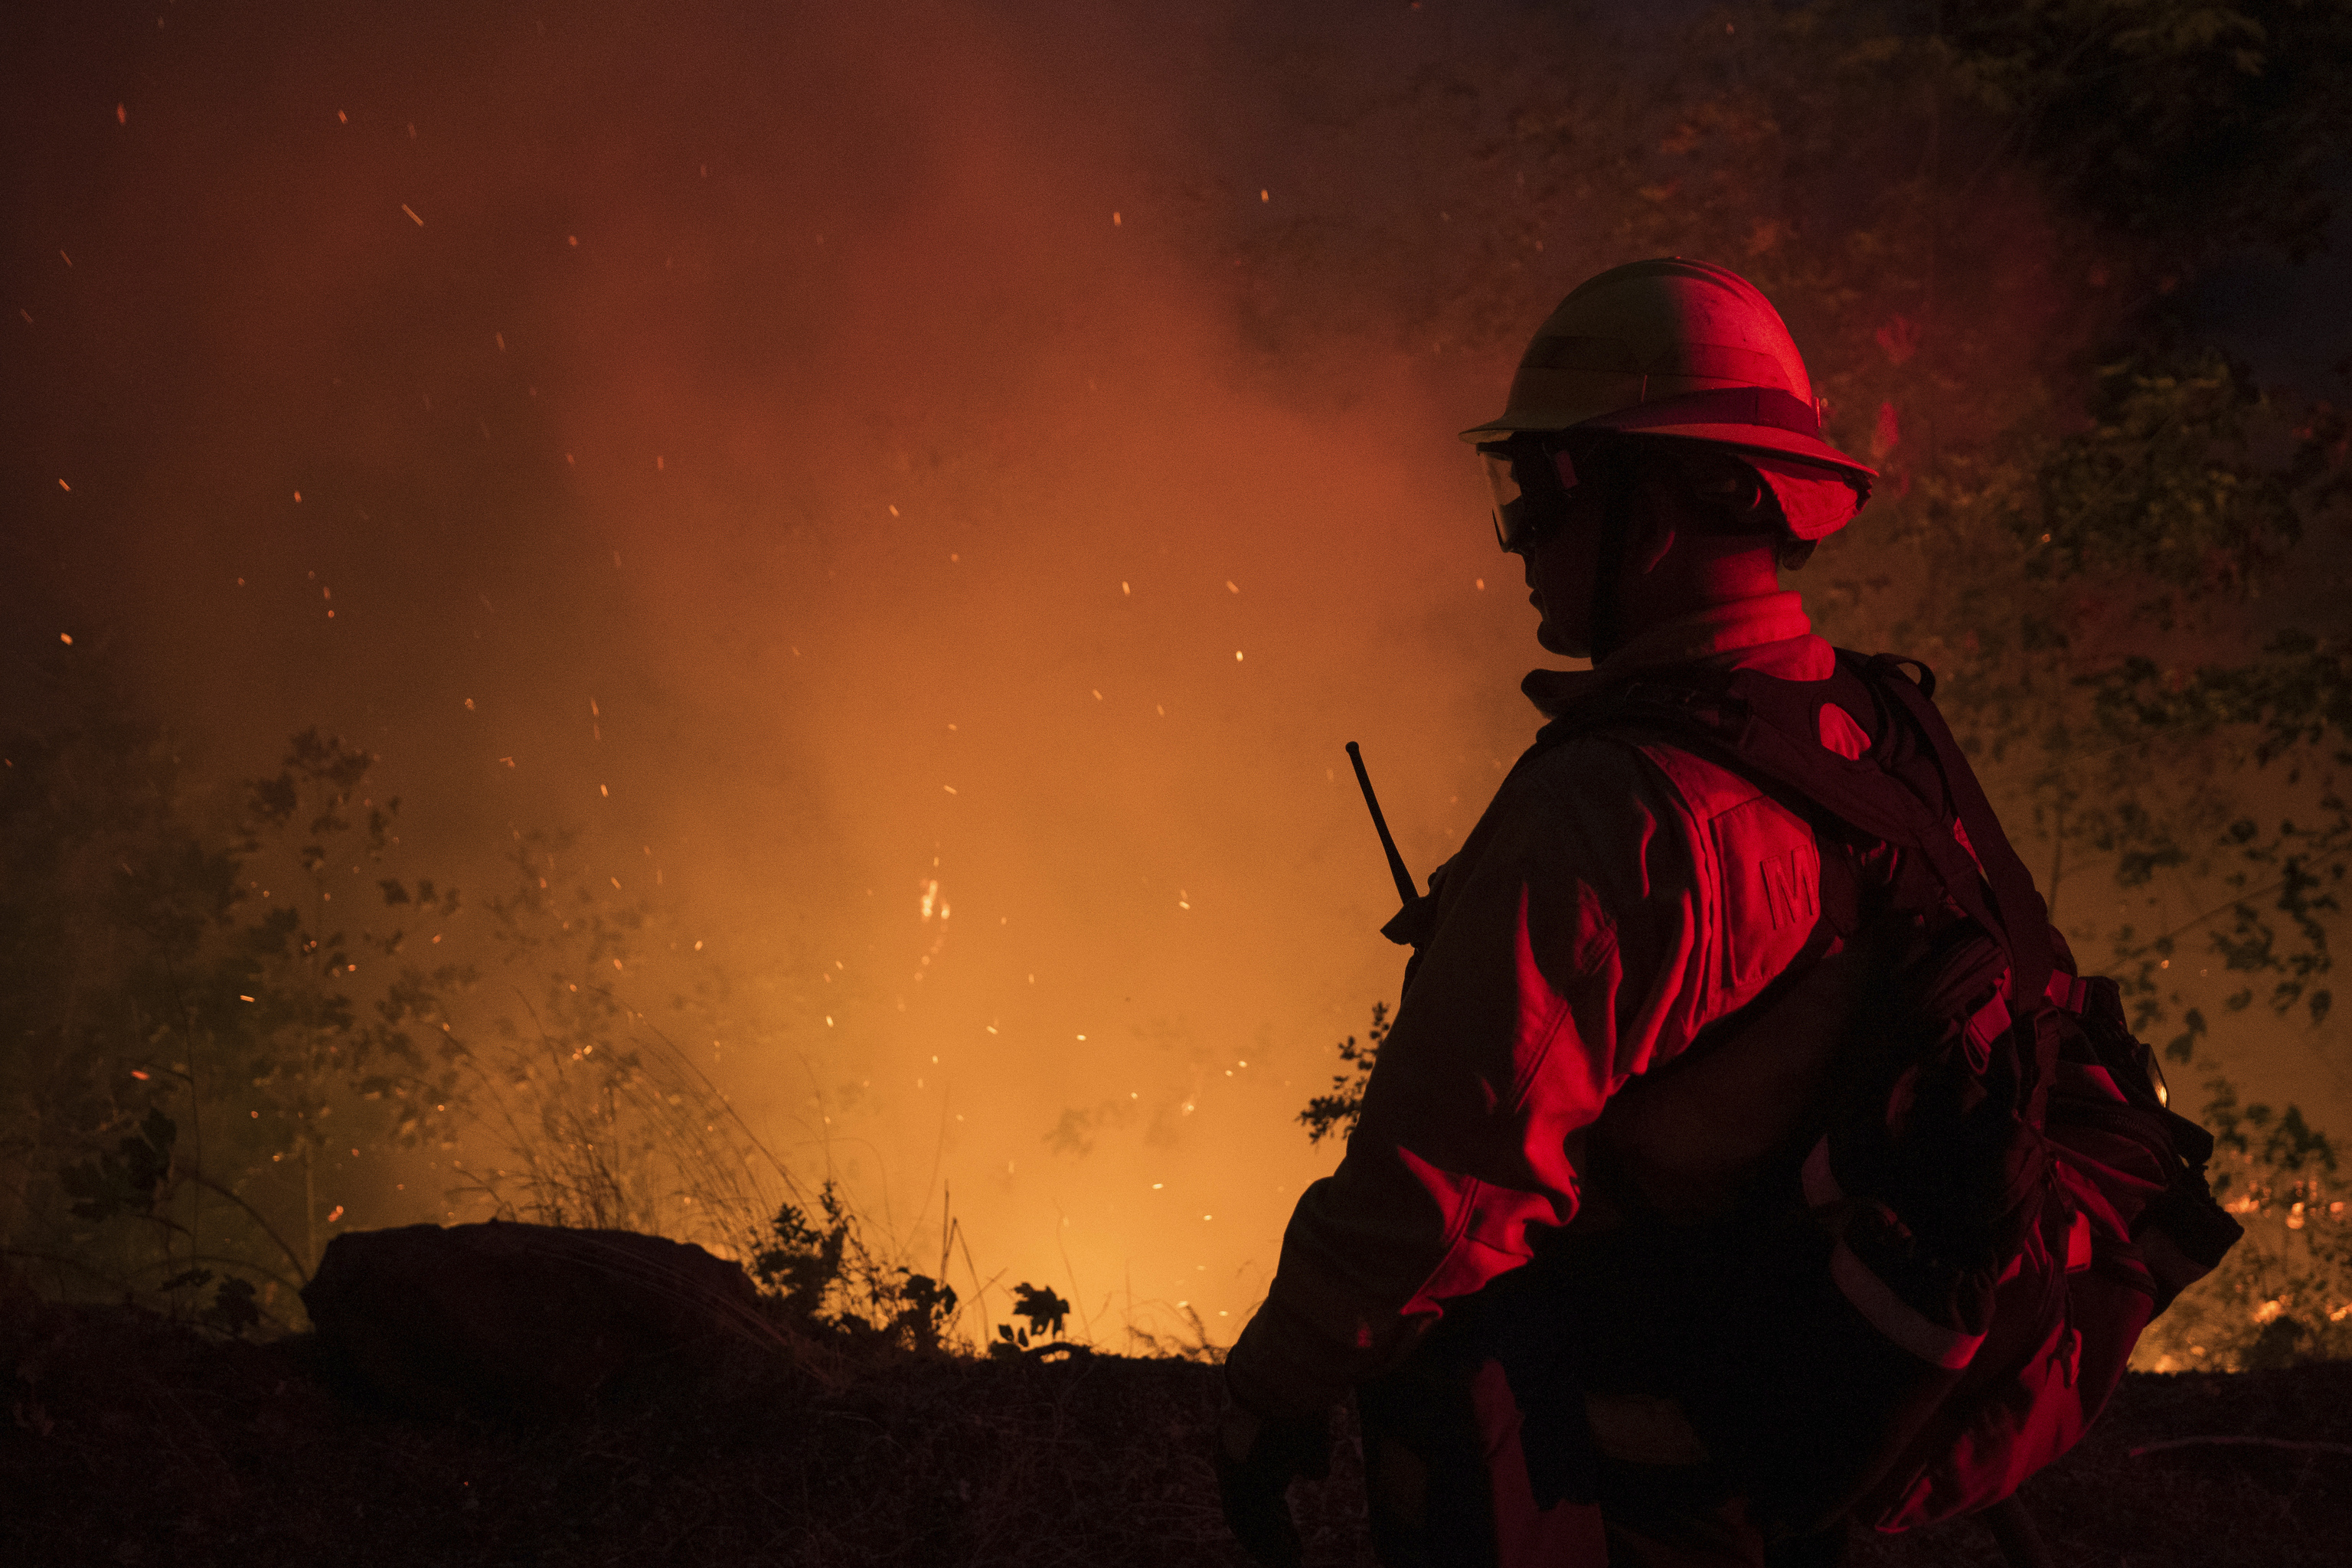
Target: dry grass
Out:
[136,1440]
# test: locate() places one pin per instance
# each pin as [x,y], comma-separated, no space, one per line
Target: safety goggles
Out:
[1530,485]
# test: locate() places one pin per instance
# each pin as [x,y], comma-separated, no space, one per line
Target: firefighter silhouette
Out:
[1626,900]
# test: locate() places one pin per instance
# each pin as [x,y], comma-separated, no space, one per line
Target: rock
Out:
[518,1319]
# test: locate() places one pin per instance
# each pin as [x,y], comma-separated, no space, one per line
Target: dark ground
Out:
[135,1440]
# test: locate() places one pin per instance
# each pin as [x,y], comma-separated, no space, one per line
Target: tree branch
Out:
[255,1214]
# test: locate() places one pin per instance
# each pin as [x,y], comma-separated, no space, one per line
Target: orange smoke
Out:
[928,489]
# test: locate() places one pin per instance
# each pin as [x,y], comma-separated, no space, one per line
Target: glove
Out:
[1256,1460]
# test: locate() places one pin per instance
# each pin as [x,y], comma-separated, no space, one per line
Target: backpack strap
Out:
[1767,728]
[2025,918]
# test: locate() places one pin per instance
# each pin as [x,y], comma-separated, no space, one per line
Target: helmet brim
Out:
[1771,438]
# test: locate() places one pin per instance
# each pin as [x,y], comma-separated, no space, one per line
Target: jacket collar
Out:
[1769,632]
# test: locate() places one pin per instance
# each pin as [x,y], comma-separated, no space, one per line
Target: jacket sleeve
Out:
[1569,954]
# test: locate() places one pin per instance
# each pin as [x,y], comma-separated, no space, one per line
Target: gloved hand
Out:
[1257,1461]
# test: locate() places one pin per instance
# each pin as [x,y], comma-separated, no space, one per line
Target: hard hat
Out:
[1686,351]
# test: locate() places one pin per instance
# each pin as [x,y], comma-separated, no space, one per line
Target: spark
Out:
[1114,220]
[412,215]
[140,1076]
[1265,196]
[65,486]
[66,638]
[121,115]
[336,1216]
[949,788]
[1237,655]
[1231,586]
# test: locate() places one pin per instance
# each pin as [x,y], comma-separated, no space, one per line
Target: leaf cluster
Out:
[1335,1115]
[2175,120]
[822,1278]
[1042,1308]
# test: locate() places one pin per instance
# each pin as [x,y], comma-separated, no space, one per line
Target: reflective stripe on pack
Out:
[1896,1318]
[2094,1082]
[2068,991]
[2078,1243]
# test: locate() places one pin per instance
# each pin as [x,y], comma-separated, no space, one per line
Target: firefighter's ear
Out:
[1658,511]
[1651,539]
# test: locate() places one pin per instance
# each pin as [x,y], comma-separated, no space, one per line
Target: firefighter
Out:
[1659,464]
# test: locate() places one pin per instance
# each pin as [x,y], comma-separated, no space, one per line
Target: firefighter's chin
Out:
[1556,638]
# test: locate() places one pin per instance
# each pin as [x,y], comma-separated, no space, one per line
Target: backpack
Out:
[1931,1290]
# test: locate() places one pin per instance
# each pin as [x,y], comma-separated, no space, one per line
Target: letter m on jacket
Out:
[1790,895]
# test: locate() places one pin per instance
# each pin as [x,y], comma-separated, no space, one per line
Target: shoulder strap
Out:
[2025,918]
[1767,728]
